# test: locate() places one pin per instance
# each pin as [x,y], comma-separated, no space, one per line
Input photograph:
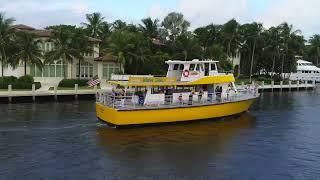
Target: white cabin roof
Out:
[306,66]
[303,61]
[195,61]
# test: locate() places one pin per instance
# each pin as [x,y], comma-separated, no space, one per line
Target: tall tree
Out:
[64,48]
[94,24]
[187,47]
[208,35]
[104,34]
[27,51]
[175,24]
[6,38]
[314,48]
[252,33]
[288,37]
[149,27]
[230,33]
[118,25]
[80,42]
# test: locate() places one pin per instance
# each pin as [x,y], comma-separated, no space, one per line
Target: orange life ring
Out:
[186,73]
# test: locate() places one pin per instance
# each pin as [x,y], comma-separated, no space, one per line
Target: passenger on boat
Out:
[180,99]
[200,95]
[191,97]
[219,92]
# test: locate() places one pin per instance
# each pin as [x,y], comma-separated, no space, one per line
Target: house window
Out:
[49,70]
[109,69]
[86,70]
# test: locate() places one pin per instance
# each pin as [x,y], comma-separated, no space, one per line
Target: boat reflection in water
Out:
[165,147]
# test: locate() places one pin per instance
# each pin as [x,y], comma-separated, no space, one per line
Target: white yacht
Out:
[306,71]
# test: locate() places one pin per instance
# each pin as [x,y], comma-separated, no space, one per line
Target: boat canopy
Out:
[171,81]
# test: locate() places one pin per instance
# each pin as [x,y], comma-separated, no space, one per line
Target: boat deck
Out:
[125,103]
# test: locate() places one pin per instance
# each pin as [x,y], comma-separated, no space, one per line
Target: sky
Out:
[303,14]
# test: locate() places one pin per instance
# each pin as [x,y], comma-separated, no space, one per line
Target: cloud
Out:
[303,14]
[203,12]
[35,13]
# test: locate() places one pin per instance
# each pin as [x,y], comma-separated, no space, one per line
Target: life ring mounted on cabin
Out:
[186,73]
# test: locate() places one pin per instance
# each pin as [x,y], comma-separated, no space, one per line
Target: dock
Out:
[33,94]
[290,85]
[55,94]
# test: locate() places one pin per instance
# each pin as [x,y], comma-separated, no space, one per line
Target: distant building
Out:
[93,65]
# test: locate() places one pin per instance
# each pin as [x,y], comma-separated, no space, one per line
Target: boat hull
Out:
[166,115]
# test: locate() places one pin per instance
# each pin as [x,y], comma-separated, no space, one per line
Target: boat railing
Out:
[139,102]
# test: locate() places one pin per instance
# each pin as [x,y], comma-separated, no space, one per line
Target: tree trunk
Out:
[25,68]
[2,68]
[79,70]
[273,64]
[282,64]
[229,47]
[252,57]
[239,70]
[64,67]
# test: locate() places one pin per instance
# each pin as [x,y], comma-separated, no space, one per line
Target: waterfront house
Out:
[93,64]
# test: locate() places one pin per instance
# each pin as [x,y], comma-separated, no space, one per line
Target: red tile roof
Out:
[23,27]
[107,58]
[44,32]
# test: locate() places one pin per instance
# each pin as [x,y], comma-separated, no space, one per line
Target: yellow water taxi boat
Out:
[192,90]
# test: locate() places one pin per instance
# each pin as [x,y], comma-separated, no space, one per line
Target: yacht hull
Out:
[165,115]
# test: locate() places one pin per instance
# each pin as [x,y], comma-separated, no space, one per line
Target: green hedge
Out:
[72,82]
[24,82]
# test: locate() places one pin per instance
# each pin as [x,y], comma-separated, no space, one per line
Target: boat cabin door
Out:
[206,69]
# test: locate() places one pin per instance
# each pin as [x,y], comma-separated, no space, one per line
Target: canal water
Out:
[278,139]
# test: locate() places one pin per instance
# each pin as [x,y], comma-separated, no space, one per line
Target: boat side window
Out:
[181,67]
[213,67]
[176,67]
[199,67]
[182,89]
[157,90]
[192,66]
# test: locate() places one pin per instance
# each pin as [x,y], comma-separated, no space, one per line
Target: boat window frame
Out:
[192,67]
[213,67]
[199,67]
[176,67]
[181,67]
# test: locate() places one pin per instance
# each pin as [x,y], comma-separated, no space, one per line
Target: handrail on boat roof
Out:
[143,81]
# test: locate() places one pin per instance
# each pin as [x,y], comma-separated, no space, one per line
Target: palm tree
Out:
[251,33]
[6,37]
[287,34]
[64,48]
[187,47]
[80,43]
[28,51]
[119,45]
[104,34]
[230,34]
[315,47]
[149,27]
[94,25]
[175,24]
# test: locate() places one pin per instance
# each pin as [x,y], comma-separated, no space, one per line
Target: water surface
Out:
[278,139]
